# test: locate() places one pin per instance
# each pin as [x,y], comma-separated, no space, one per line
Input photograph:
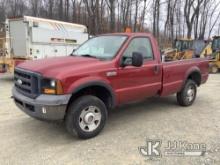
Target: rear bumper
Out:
[45,107]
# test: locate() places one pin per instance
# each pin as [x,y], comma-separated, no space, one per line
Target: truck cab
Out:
[106,71]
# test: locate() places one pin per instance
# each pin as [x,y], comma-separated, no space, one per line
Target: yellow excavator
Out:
[182,49]
[2,51]
[187,49]
[5,62]
[214,61]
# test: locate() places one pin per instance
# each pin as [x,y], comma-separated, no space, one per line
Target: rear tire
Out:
[187,95]
[86,117]
[214,69]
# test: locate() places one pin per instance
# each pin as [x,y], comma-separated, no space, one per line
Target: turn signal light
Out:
[49,91]
[52,87]
[59,88]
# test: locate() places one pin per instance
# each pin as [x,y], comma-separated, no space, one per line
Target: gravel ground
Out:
[25,141]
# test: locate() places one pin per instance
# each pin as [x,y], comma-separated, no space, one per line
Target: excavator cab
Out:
[214,62]
[216,44]
[183,49]
[183,44]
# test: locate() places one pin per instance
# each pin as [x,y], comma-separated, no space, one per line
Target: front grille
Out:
[26,82]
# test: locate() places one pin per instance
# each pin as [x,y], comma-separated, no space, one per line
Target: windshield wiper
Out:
[88,55]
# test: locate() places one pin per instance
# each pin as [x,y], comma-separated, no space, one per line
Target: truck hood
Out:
[53,67]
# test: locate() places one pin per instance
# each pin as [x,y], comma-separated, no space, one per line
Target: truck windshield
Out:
[102,47]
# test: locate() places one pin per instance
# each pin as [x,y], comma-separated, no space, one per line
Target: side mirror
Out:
[137,59]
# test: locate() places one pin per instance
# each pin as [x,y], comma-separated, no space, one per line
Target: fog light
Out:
[44,110]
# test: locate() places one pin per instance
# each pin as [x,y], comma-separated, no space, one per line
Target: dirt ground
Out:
[26,141]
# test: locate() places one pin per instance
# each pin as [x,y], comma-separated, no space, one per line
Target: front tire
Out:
[86,117]
[187,95]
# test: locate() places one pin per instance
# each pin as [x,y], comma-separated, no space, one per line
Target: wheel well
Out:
[101,92]
[196,77]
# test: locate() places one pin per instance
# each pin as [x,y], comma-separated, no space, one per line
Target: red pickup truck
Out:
[104,72]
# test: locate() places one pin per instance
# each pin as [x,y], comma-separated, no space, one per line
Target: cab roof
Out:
[129,34]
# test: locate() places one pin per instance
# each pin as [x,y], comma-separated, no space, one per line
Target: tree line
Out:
[166,19]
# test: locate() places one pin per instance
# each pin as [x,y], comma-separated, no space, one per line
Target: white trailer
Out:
[37,38]
[30,38]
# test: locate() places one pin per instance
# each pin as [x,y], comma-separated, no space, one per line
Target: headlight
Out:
[53,83]
[51,86]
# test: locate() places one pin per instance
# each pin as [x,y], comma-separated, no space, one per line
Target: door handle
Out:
[156,69]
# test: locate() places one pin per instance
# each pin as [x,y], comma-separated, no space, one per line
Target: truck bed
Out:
[176,72]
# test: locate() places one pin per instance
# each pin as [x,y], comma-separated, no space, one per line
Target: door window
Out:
[140,45]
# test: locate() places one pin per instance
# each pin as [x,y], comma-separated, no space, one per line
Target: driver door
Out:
[139,82]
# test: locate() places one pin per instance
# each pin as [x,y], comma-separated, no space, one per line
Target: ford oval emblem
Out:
[19,82]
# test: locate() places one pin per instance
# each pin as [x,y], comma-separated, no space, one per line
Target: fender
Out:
[92,81]
[190,71]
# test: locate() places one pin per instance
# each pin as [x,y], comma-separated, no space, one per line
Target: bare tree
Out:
[156,17]
[169,24]
[166,18]
[203,19]
[74,12]
[35,5]
[137,3]
[92,7]
[179,19]
[191,9]
[50,8]
[111,6]
[66,10]
[60,10]
[13,5]
[142,20]
[212,25]
[2,10]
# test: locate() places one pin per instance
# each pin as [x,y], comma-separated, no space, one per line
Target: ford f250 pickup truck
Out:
[104,72]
